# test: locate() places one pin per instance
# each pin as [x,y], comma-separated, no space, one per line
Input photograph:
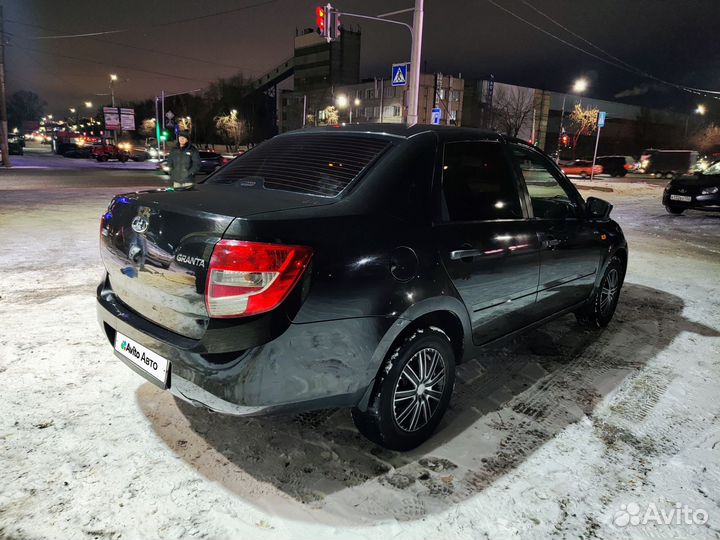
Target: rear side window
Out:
[312,164]
[478,183]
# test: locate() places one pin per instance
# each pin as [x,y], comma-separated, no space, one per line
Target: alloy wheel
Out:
[419,389]
[609,291]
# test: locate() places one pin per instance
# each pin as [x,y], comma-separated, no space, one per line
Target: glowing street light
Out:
[580,86]
[341,101]
[700,109]
[113,77]
[73,110]
[88,104]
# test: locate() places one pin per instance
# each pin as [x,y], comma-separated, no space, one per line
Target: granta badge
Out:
[193,261]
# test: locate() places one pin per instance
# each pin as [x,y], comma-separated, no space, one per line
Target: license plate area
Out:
[148,361]
[681,198]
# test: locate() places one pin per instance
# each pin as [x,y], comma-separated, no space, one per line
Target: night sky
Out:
[184,44]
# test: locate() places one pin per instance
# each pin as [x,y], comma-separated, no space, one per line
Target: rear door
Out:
[571,247]
[487,244]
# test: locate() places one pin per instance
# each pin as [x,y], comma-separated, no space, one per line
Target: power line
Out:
[155,25]
[129,68]
[593,55]
[637,70]
[145,49]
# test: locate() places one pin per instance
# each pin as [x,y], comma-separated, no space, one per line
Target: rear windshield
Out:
[313,164]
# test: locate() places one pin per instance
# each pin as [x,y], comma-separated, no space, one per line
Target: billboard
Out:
[127,119]
[112,118]
[119,119]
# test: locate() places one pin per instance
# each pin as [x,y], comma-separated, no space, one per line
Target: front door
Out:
[571,247]
[487,244]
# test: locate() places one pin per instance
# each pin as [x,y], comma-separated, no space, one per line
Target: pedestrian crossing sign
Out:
[399,74]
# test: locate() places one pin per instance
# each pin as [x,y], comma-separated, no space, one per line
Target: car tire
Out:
[402,379]
[583,174]
[674,210]
[122,159]
[599,310]
[102,159]
[623,174]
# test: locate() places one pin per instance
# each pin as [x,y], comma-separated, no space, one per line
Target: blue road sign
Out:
[399,74]
[435,117]
[601,118]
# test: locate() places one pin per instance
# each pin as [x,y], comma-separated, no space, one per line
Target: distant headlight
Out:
[710,190]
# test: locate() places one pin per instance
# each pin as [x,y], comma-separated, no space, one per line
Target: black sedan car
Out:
[698,192]
[351,267]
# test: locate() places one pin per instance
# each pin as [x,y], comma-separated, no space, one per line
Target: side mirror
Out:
[598,208]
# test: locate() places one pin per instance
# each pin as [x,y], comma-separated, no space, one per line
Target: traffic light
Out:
[565,139]
[321,21]
[164,135]
[327,21]
[333,24]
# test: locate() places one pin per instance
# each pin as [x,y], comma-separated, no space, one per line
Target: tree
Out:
[24,106]
[707,139]
[584,122]
[147,128]
[512,109]
[329,116]
[230,128]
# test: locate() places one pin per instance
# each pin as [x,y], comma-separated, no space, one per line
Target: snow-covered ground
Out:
[563,433]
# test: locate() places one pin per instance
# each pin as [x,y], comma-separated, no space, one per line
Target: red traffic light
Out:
[320,20]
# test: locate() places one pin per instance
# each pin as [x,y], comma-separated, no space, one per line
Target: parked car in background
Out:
[351,267]
[699,192]
[15,146]
[669,163]
[616,165]
[581,167]
[107,151]
[209,162]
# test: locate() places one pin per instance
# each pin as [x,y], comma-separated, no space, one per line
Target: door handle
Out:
[464,254]
[552,243]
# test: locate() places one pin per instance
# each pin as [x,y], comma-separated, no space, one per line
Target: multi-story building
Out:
[375,100]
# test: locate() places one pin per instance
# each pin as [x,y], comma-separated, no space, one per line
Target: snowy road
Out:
[563,433]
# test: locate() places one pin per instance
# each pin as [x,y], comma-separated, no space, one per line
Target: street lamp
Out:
[341,101]
[580,85]
[700,109]
[88,104]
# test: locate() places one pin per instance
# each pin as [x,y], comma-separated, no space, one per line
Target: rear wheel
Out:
[122,159]
[412,392]
[102,158]
[674,210]
[583,174]
[600,309]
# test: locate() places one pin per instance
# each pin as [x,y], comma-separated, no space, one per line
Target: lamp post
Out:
[356,102]
[701,110]
[579,87]
[342,101]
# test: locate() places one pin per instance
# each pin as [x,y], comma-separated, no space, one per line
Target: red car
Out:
[581,167]
[110,151]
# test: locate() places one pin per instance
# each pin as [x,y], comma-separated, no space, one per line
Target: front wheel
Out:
[674,210]
[583,174]
[600,309]
[412,391]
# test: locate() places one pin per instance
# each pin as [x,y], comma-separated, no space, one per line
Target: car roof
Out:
[396,130]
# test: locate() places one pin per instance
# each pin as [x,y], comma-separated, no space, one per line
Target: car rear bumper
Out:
[309,366]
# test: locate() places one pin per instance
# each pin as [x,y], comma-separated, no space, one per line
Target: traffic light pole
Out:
[416,31]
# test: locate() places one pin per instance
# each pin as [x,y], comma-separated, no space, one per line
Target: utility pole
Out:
[417,32]
[4,152]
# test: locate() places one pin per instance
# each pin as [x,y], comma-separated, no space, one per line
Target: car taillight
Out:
[247,278]
[627,166]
